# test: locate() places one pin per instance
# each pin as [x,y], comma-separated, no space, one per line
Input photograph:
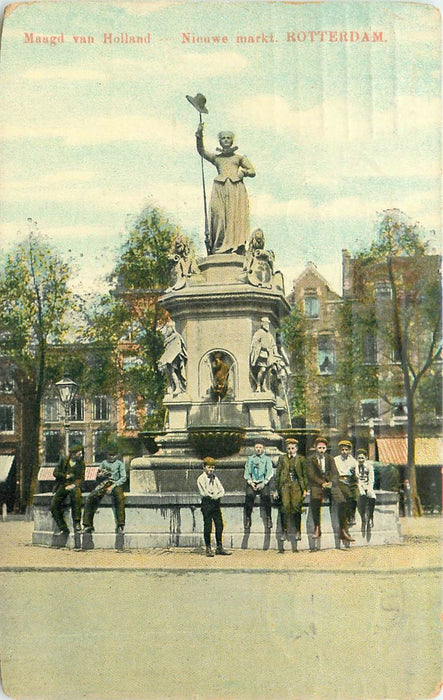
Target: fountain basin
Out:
[216,441]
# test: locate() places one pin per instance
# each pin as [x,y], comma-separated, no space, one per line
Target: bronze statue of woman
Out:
[229,206]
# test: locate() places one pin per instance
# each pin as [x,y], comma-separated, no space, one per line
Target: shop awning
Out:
[5,466]
[394,450]
[46,474]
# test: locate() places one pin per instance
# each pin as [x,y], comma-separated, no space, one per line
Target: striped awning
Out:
[394,450]
[47,474]
[91,473]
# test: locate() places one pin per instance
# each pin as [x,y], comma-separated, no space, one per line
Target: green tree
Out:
[300,347]
[125,324]
[408,319]
[355,378]
[34,301]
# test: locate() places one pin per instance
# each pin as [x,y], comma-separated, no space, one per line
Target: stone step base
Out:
[148,540]
[175,520]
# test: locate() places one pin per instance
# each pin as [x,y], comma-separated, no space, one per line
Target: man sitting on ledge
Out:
[69,475]
[110,479]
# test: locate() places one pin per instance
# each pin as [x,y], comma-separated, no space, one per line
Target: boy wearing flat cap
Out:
[69,475]
[259,477]
[366,500]
[211,492]
[321,471]
[348,482]
[292,484]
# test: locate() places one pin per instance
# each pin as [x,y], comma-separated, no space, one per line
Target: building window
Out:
[369,409]
[328,412]
[52,440]
[312,307]
[369,350]
[6,419]
[326,356]
[438,397]
[76,437]
[100,409]
[395,355]
[131,361]
[399,409]
[6,386]
[77,410]
[151,408]
[383,291]
[130,412]
[100,439]
[51,410]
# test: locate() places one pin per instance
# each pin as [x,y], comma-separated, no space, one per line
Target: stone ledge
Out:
[174,520]
[186,499]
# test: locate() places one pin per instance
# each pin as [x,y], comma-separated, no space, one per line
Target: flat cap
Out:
[210,461]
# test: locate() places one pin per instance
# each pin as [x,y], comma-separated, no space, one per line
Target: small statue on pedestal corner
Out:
[174,359]
[262,354]
[259,262]
[182,261]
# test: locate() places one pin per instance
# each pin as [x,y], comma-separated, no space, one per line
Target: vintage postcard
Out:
[220,229]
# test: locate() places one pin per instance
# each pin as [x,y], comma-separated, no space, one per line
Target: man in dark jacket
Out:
[69,475]
[292,484]
[322,473]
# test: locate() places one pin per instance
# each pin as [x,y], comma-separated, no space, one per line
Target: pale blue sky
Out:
[337,131]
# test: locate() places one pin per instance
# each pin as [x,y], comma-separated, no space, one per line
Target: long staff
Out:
[199,102]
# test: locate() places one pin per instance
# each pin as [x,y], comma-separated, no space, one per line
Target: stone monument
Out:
[227,313]
[227,373]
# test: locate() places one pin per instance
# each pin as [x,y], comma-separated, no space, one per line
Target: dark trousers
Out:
[286,519]
[346,508]
[315,511]
[57,503]
[265,500]
[93,501]
[366,507]
[291,505]
[211,512]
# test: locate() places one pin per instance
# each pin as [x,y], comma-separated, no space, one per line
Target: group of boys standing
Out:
[349,482]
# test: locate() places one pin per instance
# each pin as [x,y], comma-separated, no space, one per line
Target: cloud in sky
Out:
[116,69]
[118,127]
[341,119]
[141,9]
[72,73]
[92,135]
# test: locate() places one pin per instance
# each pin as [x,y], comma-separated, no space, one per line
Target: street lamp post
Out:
[67,389]
[371,442]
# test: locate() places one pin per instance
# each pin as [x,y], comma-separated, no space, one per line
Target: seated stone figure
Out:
[183,265]
[259,262]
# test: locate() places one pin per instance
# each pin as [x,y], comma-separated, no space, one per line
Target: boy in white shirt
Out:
[211,492]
